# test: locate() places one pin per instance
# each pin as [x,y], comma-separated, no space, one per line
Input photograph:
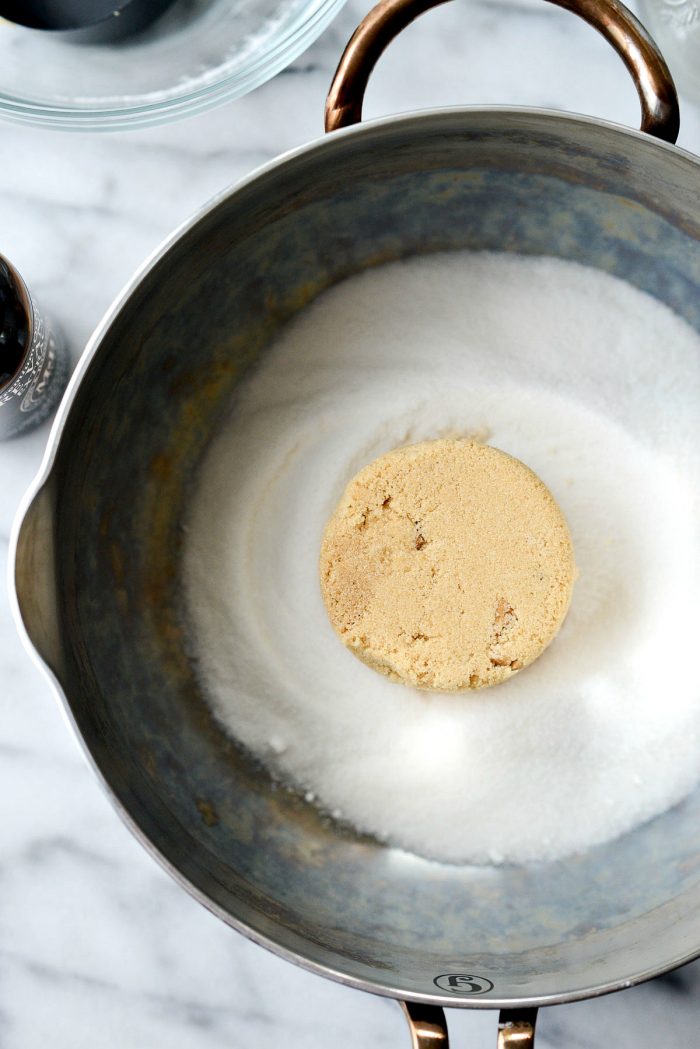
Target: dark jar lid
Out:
[16,323]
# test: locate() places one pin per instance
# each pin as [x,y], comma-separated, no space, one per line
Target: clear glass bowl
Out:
[198,54]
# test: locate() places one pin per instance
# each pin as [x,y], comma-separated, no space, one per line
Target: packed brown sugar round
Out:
[447,565]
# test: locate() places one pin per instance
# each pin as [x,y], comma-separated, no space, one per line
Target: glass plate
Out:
[198,54]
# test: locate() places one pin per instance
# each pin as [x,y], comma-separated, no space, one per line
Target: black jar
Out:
[34,365]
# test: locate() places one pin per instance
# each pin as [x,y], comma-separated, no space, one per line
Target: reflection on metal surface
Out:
[516,1028]
[657,93]
[427,1024]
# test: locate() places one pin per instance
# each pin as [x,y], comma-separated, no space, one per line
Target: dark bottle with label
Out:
[33,360]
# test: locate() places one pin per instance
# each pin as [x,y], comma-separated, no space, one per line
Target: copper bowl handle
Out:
[427,1025]
[655,87]
[516,1027]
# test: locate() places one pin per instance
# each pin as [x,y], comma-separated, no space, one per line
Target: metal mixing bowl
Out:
[99,545]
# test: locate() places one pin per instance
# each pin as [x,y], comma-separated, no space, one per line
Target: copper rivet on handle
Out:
[516,1028]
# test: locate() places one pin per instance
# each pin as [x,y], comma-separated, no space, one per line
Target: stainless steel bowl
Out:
[98,544]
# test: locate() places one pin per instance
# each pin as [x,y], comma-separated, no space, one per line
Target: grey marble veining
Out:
[97,946]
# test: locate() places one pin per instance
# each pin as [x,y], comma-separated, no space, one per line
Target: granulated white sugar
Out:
[592,384]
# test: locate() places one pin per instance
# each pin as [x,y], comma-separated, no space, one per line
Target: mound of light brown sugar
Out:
[447,565]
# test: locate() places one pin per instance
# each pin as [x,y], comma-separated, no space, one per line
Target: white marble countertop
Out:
[98,947]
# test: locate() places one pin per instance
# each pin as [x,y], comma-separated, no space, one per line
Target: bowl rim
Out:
[277,54]
[92,348]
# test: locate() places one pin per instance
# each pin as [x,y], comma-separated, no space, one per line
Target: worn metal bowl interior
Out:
[98,554]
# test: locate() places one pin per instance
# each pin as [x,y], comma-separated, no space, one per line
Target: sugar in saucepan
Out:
[591,383]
